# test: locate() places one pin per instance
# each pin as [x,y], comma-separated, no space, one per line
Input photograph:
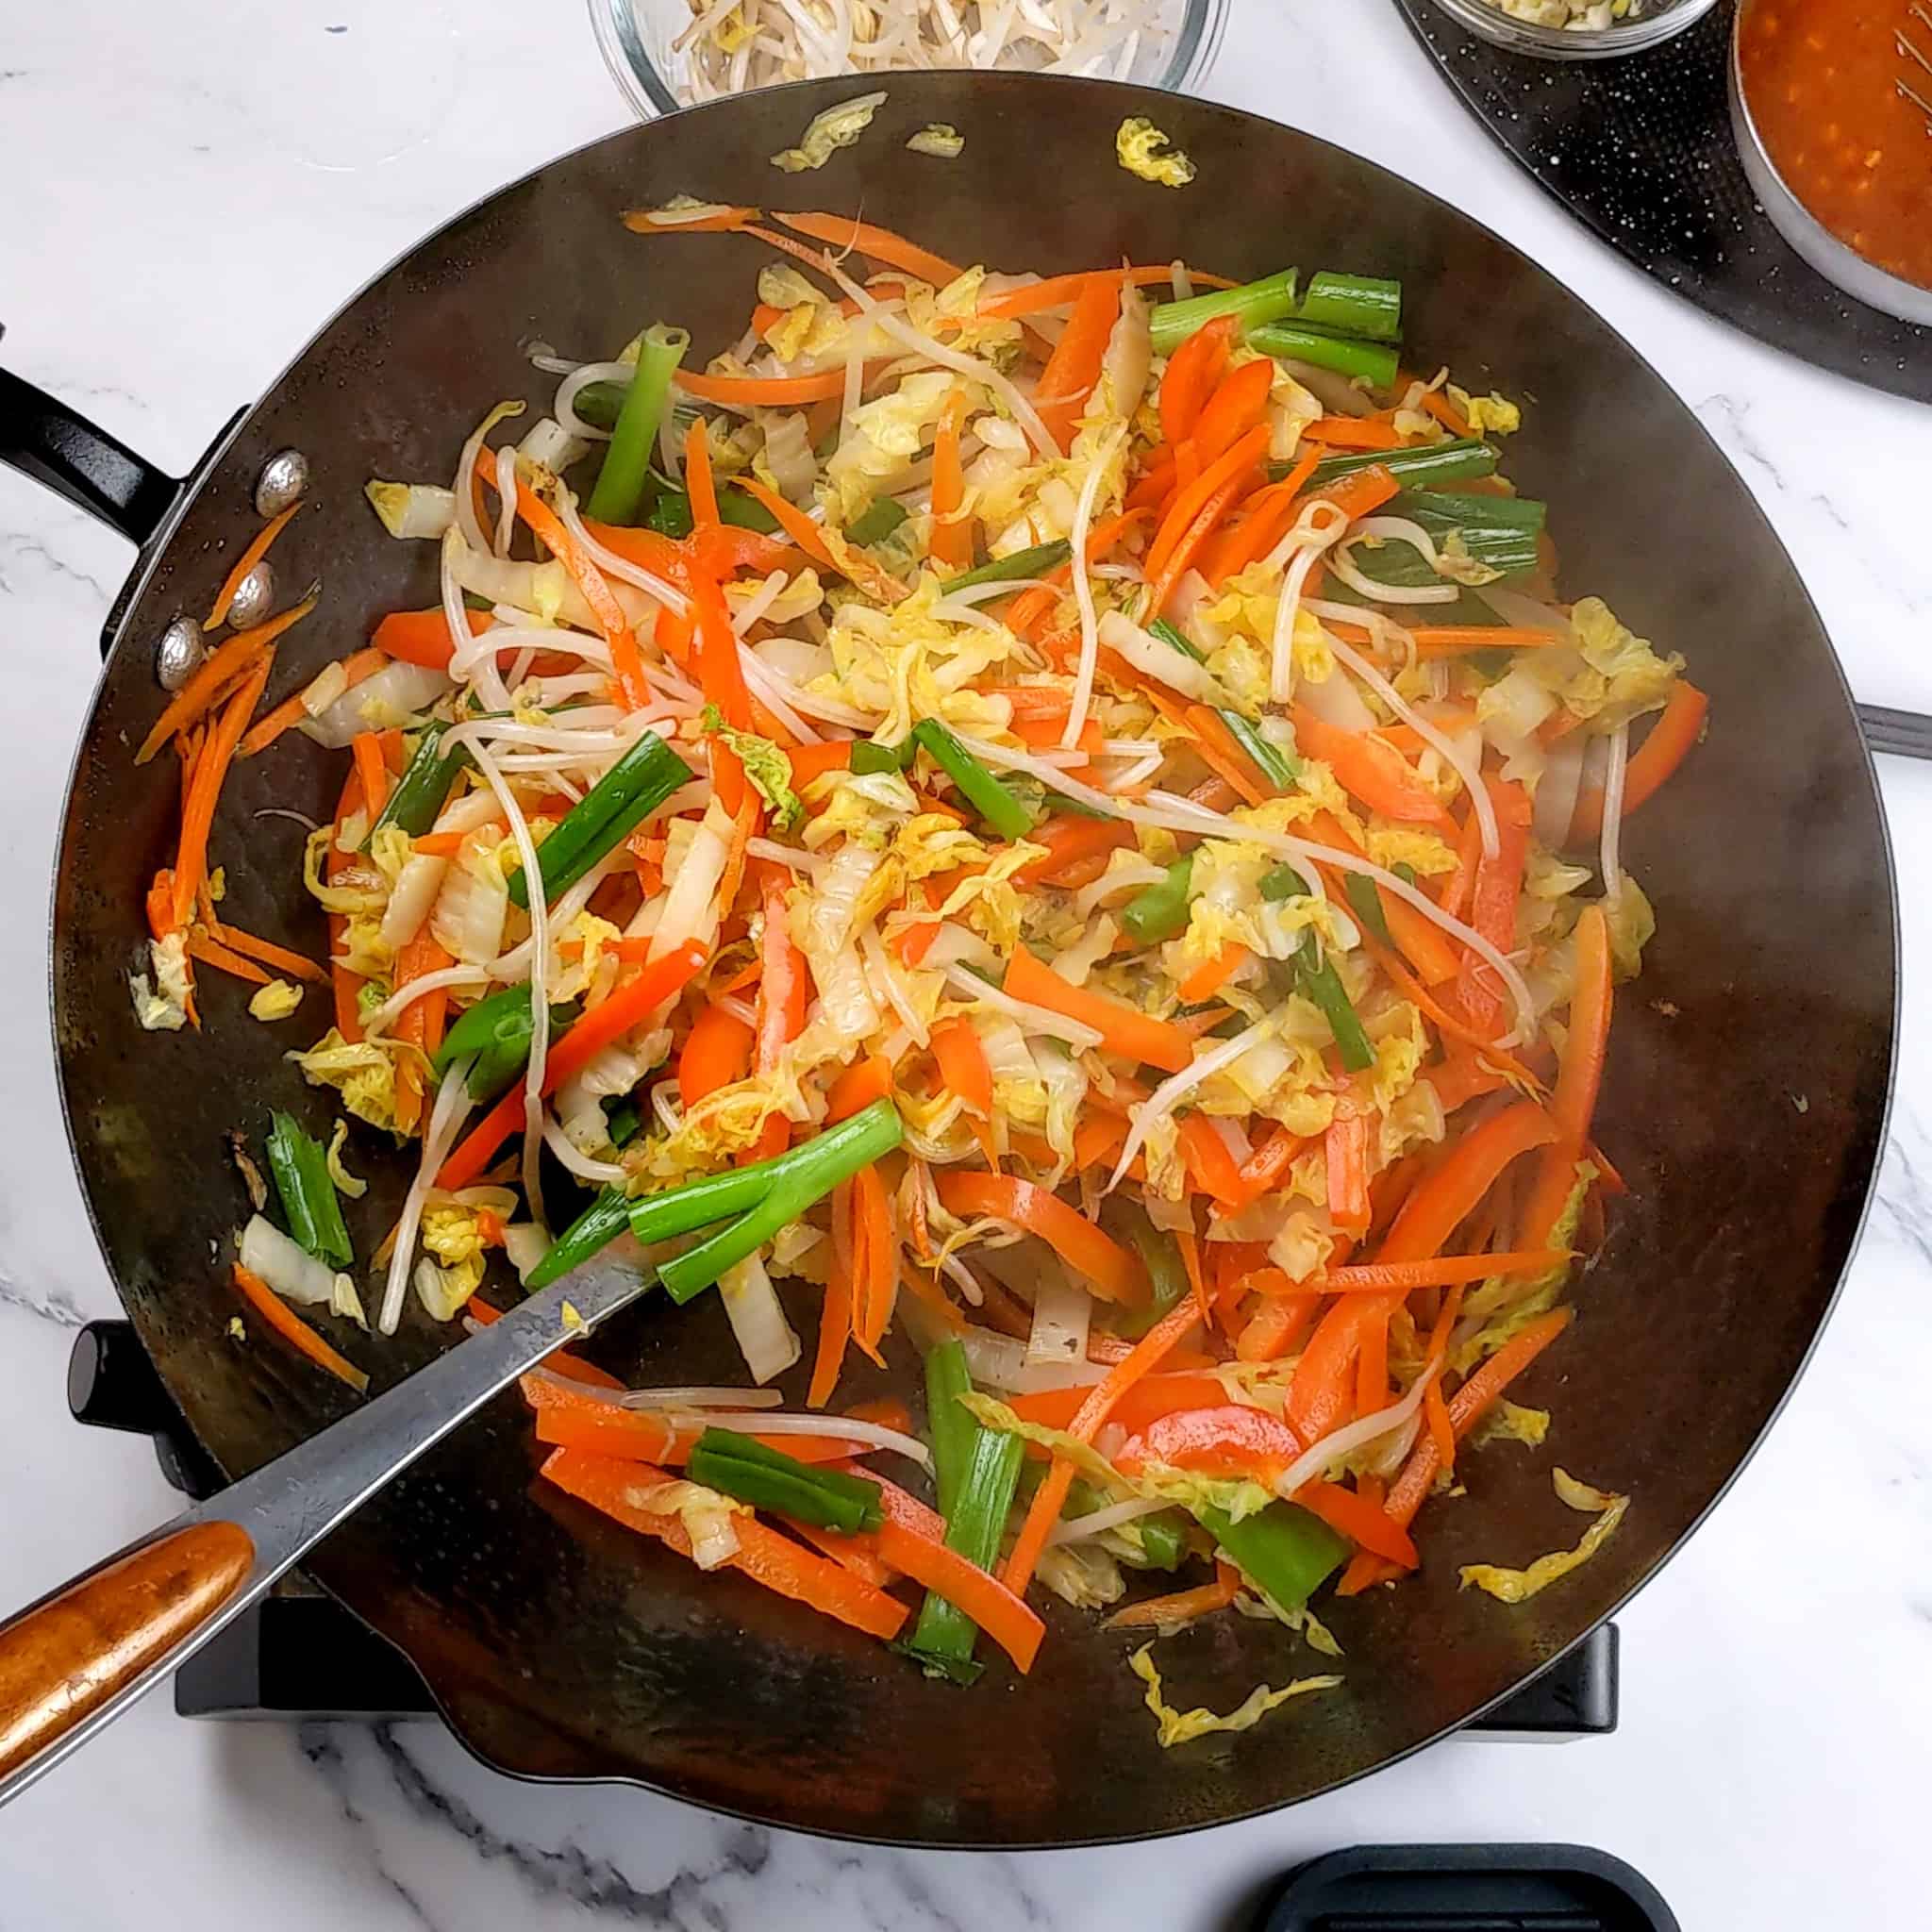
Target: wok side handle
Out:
[66,1657]
[43,438]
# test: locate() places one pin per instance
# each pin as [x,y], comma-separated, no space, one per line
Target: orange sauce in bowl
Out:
[1819,77]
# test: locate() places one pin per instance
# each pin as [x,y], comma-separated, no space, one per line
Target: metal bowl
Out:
[1661,21]
[636,36]
[1841,265]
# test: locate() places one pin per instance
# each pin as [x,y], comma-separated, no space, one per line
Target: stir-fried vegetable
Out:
[768,1479]
[299,1165]
[620,801]
[1166,967]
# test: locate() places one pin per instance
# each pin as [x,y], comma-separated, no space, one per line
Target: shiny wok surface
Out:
[1744,1102]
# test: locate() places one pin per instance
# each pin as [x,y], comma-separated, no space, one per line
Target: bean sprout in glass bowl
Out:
[669,54]
[1596,32]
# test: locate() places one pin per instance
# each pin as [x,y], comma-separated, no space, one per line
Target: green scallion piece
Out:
[1373,361]
[1034,562]
[783,1190]
[620,486]
[1323,984]
[975,1469]
[1280,768]
[767,1478]
[869,757]
[976,783]
[299,1165]
[1365,306]
[1366,903]
[426,782]
[1159,911]
[605,815]
[1171,637]
[1421,468]
[1283,1550]
[876,520]
[1253,304]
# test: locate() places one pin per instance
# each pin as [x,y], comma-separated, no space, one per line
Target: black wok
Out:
[1745,1101]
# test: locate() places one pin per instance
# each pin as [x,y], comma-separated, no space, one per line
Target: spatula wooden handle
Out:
[69,1654]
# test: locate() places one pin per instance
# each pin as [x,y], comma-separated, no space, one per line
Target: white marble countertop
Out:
[190,189]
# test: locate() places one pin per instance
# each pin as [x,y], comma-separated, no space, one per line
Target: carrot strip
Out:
[1070,841]
[1361,1519]
[1442,1270]
[1669,743]
[1264,1168]
[716,1053]
[963,1065]
[1112,1272]
[1193,372]
[844,232]
[567,1419]
[217,677]
[1492,906]
[1207,979]
[951,542]
[546,525]
[1276,1326]
[623,1491]
[1132,1035]
[1190,542]
[1445,412]
[1579,1075]
[629,1005]
[794,521]
[297,965]
[292,1329]
[834,1330]
[1051,1497]
[1467,1407]
[1181,1606]
[211,768]
[1235,408]
[1073,369]
[211,952]
[762,392]
[1438,639]
[1420,940]
[1362,492]
[366,747]
[1352,432]
[258,548]
[1368,768]
[1345,1153]
[1059,292]
[1441,1431]
[1187,506]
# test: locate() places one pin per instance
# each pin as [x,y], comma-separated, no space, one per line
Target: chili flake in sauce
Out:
[1820,78]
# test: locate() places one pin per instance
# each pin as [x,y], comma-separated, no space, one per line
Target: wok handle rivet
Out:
[284,480]
[254,598]
[180,653]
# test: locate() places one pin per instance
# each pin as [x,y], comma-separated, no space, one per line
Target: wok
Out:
[1744,1104]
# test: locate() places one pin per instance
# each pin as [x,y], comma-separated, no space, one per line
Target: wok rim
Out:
[1385,180]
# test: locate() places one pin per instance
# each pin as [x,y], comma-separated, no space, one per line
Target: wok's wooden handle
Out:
[66,1657]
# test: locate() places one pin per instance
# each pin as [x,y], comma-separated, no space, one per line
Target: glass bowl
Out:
[1661,21]
[636,39]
